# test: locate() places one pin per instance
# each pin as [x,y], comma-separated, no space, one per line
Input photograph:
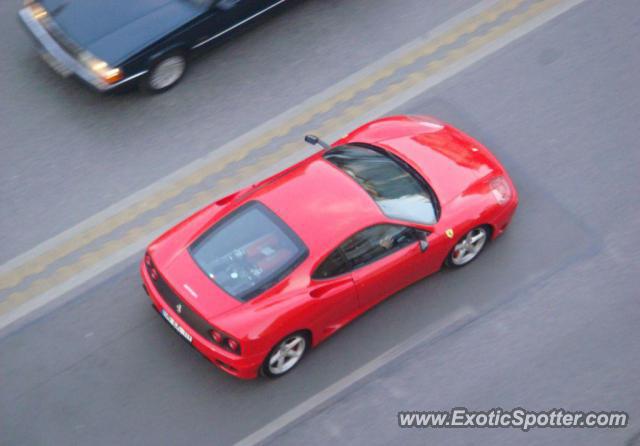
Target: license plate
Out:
[177,326]
[54,63]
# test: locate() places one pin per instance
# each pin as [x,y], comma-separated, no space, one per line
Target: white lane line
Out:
[242,140]
[457,319]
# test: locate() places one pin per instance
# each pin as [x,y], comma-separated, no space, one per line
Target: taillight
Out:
[501,190]
[233,345]
[217,337]
[225,341]
[153,272]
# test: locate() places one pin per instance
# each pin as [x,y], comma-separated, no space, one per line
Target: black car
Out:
[109,43]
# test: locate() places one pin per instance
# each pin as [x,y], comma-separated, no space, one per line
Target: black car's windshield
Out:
[398,191]
[249,251]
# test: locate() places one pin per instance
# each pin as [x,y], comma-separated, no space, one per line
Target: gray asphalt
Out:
[556,297]
[68,153]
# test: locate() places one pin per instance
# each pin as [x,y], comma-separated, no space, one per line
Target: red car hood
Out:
[448,167]
[193,286]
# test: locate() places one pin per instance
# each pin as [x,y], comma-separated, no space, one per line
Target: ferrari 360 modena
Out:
[256,278]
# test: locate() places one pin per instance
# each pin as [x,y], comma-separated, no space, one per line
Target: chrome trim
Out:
[129,78]
[220,34]
[49,46]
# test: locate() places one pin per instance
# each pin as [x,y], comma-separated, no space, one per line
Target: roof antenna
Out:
[314,140]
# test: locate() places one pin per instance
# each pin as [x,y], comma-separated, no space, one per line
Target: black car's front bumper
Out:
[61,60]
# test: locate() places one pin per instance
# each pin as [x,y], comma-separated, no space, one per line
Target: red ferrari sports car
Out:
[255,279]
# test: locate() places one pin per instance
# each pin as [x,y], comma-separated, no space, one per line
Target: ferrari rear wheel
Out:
[286,355]
[468,248]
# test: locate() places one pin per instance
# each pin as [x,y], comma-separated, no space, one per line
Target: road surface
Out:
[547,317]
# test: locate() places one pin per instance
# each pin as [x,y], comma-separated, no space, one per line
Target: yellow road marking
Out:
[202,198]
[14,277]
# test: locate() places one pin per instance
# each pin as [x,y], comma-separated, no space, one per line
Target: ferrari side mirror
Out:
[422,240]
[314,140]
[311,139]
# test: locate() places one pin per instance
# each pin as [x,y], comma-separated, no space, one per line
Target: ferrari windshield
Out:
[248,251]
[400,192]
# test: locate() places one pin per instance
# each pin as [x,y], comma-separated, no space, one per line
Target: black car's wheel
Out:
[165,72]
[468,247]
[285,355]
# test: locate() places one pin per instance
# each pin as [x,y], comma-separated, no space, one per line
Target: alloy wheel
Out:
[167,72]
[287,354]
[469,247]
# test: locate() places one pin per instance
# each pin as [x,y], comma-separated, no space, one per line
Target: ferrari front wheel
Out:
[285,355]
[468,247]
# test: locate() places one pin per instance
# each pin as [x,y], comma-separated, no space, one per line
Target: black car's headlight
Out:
[101,68]
[36,9]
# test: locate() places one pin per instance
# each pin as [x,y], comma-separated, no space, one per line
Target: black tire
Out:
[455,260]
[268,371]
[174,60]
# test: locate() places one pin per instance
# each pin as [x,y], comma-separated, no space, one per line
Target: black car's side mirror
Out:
[314,140]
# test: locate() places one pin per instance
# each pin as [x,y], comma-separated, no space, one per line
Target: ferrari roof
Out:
[320,203]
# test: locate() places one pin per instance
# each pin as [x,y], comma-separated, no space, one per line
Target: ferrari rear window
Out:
[248,251]
[396,188]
